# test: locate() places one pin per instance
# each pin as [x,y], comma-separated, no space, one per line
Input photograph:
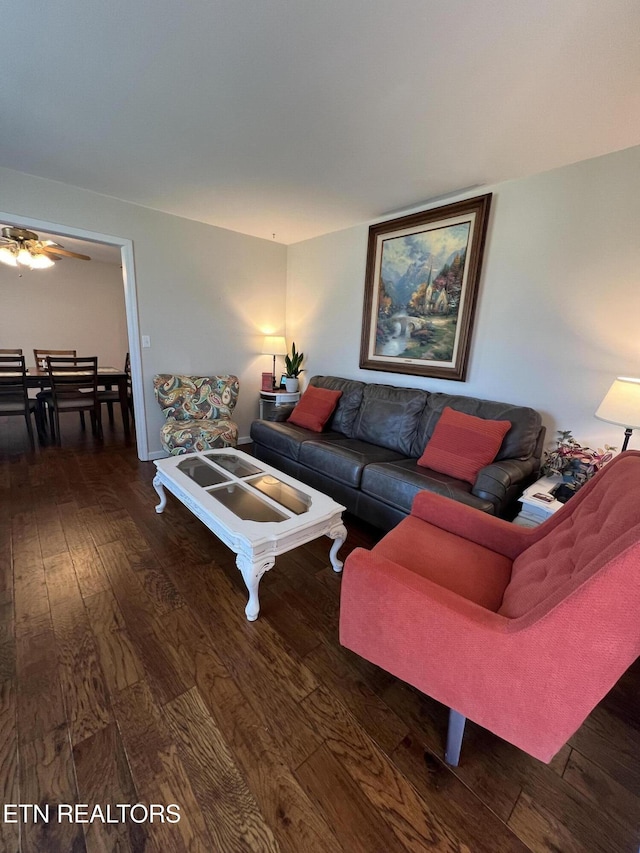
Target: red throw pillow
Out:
[315,408]
[462,444]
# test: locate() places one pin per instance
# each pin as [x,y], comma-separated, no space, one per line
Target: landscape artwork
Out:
[421,288]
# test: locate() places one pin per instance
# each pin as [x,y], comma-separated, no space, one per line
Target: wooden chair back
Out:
[10,352]
[14,393]
[40,355]
[73,377]
[13,377]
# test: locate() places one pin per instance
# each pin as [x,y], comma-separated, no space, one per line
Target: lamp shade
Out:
[8,257]
[621,404]
[274,345]
[41,262]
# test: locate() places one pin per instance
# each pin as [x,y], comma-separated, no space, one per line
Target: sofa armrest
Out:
[495,533]
[496,482]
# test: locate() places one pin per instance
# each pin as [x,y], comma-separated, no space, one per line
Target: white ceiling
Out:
[295,118]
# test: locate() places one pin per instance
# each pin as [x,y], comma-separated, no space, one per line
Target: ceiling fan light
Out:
[24,257]
[40,262]
[8,257]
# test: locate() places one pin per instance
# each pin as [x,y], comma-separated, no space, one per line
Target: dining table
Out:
[37,377]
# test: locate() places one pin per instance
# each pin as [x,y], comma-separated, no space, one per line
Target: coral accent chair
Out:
[197,411]
[522,630]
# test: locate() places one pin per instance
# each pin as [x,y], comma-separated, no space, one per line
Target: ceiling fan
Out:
[19,247]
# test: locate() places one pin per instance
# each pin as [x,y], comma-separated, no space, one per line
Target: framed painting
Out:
[421,289]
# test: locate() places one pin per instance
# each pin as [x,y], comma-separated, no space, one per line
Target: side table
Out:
[537,502]
[277,405]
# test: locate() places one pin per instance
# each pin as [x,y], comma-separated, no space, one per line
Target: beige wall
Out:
[73,305]
[557,312]
[205,295]
[558,306]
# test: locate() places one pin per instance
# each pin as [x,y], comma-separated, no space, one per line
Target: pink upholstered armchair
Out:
[522,630]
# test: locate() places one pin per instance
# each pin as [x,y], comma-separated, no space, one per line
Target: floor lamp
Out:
[274,345]
[621,406]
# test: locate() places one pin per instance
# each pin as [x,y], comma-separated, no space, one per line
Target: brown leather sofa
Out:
[366,458]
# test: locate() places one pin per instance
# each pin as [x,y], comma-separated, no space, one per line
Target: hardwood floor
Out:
[129,674]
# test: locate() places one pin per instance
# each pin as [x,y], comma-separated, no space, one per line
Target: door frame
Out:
[130,300]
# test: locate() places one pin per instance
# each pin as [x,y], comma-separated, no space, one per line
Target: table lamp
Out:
[621,406]
[274,345]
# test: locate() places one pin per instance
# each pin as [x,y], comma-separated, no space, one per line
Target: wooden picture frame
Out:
[421,288]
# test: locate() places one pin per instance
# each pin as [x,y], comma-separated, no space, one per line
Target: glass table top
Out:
[245,504]
[242,487]
[234,464]
[282,493]
[201,473]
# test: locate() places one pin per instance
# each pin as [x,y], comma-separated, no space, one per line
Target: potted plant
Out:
[292,368]
[574,462]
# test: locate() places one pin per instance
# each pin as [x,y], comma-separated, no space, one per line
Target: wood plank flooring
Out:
[129,674]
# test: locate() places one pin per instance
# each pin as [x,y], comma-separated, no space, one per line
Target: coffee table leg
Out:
[157,485]
[252,571]
[339,534]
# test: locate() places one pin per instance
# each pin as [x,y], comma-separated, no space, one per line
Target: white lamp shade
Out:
[8,257]
[621,404]
[41,262]
[274,345]
[24,257]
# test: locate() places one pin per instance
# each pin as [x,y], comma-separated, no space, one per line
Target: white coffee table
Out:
[256,510]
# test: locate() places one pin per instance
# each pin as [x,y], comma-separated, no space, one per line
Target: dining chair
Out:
[10,352]
[127,370]
[112,395]
[14,397]
[44,396]
[74,388]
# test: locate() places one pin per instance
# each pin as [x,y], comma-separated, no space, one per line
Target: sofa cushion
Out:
[389,417]
[519,443]
[344,459]
[462,444]
[285,438]
[397,483]
[314,408]
[348,405]
[178,436]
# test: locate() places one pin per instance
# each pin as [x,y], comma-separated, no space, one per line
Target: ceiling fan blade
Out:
[52,251]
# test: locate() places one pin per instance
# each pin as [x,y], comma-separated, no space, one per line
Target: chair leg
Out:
[455,733]
[110,410]
[55,428]
[82,423]
[41,421]
[53,419]
[30,431]
[96,417]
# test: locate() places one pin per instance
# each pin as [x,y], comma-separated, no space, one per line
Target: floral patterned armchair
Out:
[197,411]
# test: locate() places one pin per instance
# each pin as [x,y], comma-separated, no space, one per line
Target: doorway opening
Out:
[125,247]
